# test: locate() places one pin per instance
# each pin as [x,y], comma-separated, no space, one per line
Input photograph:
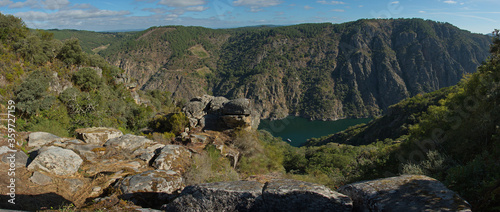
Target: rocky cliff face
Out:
[319,71]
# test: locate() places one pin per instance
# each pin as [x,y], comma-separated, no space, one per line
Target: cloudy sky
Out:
[480,16]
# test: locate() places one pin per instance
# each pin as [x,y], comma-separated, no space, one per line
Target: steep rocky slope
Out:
[319,71]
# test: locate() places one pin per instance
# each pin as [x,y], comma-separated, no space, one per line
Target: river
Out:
[299,129]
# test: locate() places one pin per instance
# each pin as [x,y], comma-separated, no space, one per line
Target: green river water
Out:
[299,129]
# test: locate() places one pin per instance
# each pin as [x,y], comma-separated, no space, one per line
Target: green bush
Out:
[87,79]
[32,95]
[175,123]
[71,52]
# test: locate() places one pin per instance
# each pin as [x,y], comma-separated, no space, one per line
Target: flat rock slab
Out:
[19,158]
[156,186]
[56,160]
[220,196]
[128,142]
[277,195]
[293,195]
[404,193]
[38,139]
[97,135]
[173,157]
[40,179]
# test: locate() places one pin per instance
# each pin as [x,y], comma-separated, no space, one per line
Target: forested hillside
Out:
[319,71]
[58,87]
[451,135]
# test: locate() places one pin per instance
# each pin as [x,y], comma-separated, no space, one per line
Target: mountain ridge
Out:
[318,71]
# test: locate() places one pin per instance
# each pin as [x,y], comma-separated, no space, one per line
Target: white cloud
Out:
[55,4]
[450,2]
[69,14]
[27,3]
[395,2]
[330,2]
[307,7]
[182,3]
[421,11]
[156,10]
[257,5]
[197,8]
[4,3]
[338,10]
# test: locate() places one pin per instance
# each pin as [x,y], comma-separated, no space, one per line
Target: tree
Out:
[12,28]
[71,52]
[87,79]
[32,96]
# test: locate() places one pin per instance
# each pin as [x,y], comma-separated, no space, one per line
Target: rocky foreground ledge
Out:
[61,171]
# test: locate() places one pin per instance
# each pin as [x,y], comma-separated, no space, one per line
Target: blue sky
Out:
[480,16]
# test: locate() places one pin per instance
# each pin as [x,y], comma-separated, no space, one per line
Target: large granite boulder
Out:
[277,195]
[128,142]
[239,106]
[97,135]
[404,193]
[293,195]
[38,139]
[56,160]
[151,187]
[173,157]
[219,113]
[220,196]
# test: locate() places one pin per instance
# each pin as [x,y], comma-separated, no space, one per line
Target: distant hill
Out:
[92,41]
[318,71]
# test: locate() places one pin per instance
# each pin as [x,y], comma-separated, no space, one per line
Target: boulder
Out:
[56,160]
[97,135]
[216,104]
[38,139]
[21,159]
[219,113]
[220,196]
[128,142]
[277,195]
[150,187]
[87,151]
[235,121]
[40,179]
[239,106]
[173,157]
[404,193]
[293,195]
[195,109]
[147,153]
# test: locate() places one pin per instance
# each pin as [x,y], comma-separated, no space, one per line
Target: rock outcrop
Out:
[218,113]
[220,196]
[293,195]
[150,187]
[128,142]
[97,135]
[278,195]
[404,193]
[173,157]
[56,160]
[38,139]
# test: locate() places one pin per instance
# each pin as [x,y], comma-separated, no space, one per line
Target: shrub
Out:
[174,123]
[87,79]
[32,96]
[210,166]
[71,52]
